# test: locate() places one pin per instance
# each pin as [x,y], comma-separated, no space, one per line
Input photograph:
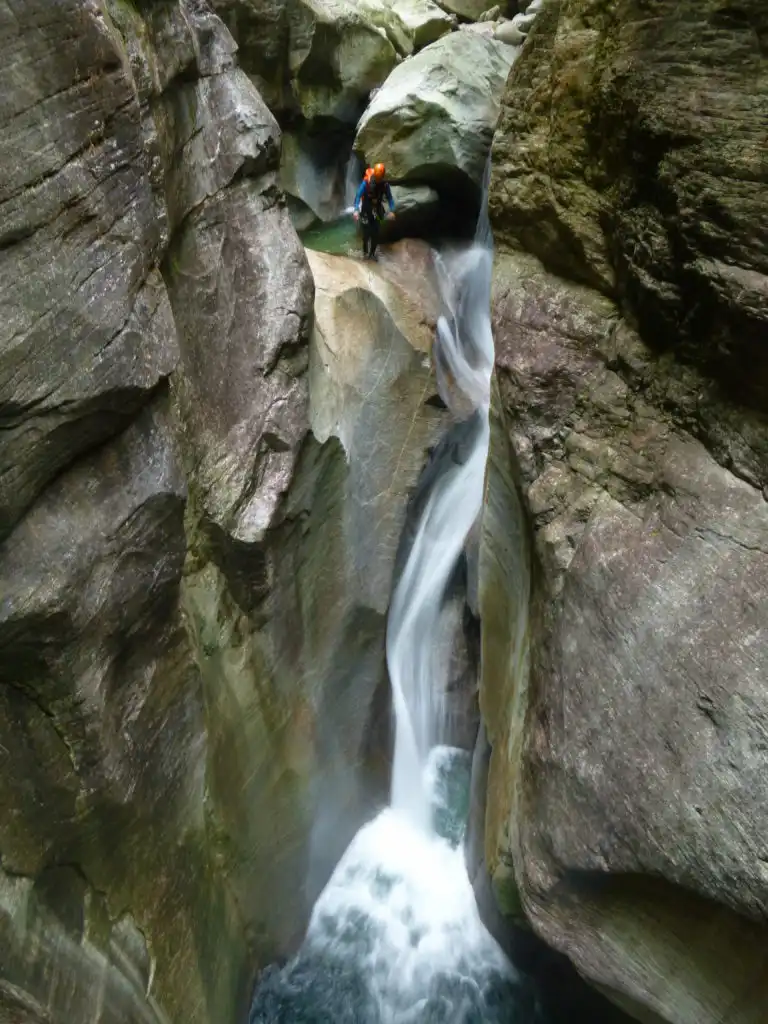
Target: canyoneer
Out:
[369,207]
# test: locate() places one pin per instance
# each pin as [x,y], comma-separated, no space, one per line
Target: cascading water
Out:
[395,937]
[417,663]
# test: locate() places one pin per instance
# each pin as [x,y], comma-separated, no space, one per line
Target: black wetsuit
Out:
[370,202]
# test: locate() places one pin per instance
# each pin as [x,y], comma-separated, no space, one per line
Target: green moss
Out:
[507,895]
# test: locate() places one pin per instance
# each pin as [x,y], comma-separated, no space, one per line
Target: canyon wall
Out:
[624,567]
[191,613]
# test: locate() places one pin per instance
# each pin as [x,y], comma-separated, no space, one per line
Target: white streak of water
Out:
[416,661]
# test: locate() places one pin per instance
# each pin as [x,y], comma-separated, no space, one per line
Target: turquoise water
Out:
[338,237]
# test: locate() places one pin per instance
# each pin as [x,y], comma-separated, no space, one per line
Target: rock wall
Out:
[624,565]
[154,401]
[181,573]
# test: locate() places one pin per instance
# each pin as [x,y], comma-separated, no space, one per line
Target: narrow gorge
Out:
[383,642]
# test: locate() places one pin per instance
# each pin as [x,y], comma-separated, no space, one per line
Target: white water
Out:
[399,911]
[417,663]
[400,905]
[400,885]
[396,937]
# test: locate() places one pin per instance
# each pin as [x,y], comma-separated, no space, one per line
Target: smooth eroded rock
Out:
[624,658]
[433,119]
[103,736]
[129,864]
[86,332]
[316,58]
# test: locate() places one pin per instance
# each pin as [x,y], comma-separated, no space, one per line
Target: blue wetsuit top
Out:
[374,195]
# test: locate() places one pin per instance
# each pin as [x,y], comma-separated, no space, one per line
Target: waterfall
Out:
[417,664]
[395,937]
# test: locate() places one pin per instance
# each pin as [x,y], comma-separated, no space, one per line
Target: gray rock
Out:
[212,131]
[370,381]
[316,170]
[316,59]
[101,733]
[510,32]
[242,322]
[425,21]
[483,29]
[626,821]
[417,212]
[680,236]
[123,749]
[85,327]
[435,115]
[358,373]
[468,10]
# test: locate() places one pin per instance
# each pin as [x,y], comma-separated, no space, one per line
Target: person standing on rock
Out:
[369,207]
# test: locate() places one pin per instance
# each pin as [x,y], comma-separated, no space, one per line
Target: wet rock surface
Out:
[623,572]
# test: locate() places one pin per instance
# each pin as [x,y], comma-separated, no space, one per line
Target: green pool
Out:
[338,237]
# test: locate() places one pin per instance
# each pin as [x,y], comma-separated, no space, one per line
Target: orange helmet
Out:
[379,171]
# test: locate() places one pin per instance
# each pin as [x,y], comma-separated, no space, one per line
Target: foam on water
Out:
[395,937]
[401,905]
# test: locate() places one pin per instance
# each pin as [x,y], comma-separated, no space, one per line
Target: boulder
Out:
[424,21]
[510,32]
[467,10]
[434,117]
[316,58]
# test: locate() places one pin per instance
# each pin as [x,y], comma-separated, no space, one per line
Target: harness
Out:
[372,203]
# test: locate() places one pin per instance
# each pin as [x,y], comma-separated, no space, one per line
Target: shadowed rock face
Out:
[154,400]
[321,58]
[624,565]
[631,157]
[191,608]
[315,59]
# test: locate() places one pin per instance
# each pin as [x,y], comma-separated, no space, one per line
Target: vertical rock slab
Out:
[86,331]
[625,698]
[103,740]
[123,870]
[241,294]
[625,818]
